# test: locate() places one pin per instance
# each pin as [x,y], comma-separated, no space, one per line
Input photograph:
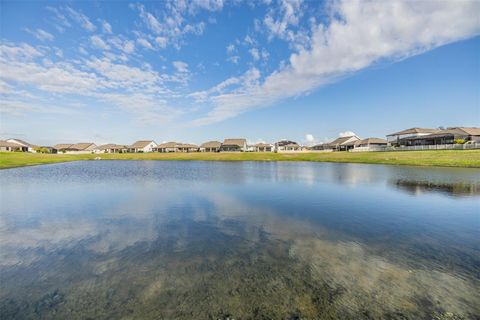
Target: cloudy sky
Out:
[192,71]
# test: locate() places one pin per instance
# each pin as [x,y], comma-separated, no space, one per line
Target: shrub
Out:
[459,141]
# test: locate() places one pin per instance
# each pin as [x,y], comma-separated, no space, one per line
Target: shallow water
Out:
[238,240]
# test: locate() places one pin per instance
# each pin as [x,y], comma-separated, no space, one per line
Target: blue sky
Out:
[193,71]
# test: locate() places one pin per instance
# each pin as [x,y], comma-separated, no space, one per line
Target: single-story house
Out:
[25,146]
[262,147]
[187,147]
[111,148]
[166,147]
[286,145]
[404,137]
[368,144]
[339,144]
[234,145]
[210,146]
[83,147]
[62,147]
[445,136]
[143,146]
[9,146]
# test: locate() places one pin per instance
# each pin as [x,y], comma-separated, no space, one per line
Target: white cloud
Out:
[82,19]
[23,51]
[346,134]
[138,90]
[161,41]
[310,139]
[98,43]
[359,35]
[230,48]
[41,34]
[210,5]
[180,66]
[290,12]
[150,20]
[234,59]
[128,47]
[106,27]
[255,54]
[144,43]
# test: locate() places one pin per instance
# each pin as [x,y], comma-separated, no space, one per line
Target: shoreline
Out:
[428,158]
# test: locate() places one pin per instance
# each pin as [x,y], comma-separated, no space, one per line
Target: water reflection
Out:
[454,189]
[187,240]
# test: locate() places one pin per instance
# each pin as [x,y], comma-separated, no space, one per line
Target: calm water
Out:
[246,240]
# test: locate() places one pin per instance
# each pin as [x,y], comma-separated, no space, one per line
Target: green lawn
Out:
[448,158]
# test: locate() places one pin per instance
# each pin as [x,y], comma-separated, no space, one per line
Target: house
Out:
[368,144]
[111,148]
[286,145]
[262,147]
[25,146]
[187,147]
[210,146]
[407,137]
[445,136]
[234,145]
[166,147]
[9,146]
[341,143]
[80,148]
[142,146]
[62,147]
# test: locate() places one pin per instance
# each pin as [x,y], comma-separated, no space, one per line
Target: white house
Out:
[24,146]
[143,146]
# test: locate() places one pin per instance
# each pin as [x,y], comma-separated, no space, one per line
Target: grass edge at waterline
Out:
[443,158]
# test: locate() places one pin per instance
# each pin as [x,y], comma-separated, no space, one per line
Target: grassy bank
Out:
[448,158]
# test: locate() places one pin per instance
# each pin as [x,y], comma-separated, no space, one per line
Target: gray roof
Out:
[341,140]
[235,142]
[81,146]
[62,146]
[413,130]
[371,141]
[170,144]
[111,146]
[211,144]
[9,144]
[187,145]
[23,142]
[262,145]
[141,143]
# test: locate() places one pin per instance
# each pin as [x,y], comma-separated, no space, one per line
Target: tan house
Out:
[143,146]
[111,148]
[210,146]
[187,147]
[262,147]
[81,148]
[166,147]
[234,145]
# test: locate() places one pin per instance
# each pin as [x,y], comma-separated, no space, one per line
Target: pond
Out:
[238,240]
